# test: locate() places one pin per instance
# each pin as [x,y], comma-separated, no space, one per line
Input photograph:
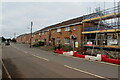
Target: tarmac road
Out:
[23,62]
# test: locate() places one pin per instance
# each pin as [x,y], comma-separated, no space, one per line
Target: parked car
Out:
[7,43]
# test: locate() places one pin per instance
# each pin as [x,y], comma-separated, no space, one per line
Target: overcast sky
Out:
[16,16]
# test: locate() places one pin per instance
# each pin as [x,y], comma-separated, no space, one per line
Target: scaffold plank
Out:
[103,17]
[101,31]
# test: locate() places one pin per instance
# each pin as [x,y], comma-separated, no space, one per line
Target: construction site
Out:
[102,32]
[91,34]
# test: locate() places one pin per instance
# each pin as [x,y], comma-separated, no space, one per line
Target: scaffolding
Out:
[104,14]
[105,29]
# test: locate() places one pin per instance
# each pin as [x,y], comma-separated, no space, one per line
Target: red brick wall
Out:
[27,38]
[46,37]
[19,39]
[66,34]
[23,38]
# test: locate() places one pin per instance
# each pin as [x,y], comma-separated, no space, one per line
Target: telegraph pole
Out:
[31,34]
[14,35]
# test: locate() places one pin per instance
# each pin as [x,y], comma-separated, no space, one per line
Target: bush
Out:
[64,47]
[38,44]
[67,48]
[13,40]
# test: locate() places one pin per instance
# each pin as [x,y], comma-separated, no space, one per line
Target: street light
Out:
[31,34]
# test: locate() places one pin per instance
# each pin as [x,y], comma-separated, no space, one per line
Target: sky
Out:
[16,16]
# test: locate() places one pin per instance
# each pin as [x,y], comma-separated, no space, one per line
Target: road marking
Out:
[33,55]
[7,71]
[77,58]
[85,72]
[40,57]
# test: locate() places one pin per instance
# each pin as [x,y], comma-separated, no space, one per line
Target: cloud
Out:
[18,15]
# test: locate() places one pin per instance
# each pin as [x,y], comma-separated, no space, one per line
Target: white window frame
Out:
[58,40]
[67,28]
[74,27]
[43,33]
[66,40]
[58,30]
[39,33]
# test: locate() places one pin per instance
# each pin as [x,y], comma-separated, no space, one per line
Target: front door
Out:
[53,41]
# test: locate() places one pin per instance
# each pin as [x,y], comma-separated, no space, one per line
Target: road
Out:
[0,61]
[23,62]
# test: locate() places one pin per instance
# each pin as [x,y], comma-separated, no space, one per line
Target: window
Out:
[42,40]
[58,40]
[54,31]
[67,41]
[42,33]
[59,30]
[74,27]
[36,40]
[39,33]
[67,29]
[45,32]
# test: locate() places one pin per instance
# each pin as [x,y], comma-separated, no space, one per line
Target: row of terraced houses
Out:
[100,29]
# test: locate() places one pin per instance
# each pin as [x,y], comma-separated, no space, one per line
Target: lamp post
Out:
[31,34]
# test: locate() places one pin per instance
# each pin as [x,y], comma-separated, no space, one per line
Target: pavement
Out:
[24,62]
[0,61]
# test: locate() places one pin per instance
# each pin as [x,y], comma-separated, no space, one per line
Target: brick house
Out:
[25,38]
[83,28]
[60,33]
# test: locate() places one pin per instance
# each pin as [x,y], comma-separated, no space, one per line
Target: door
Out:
[53,41]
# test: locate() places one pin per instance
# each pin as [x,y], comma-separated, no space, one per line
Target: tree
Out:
[3,39]
[13,40]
